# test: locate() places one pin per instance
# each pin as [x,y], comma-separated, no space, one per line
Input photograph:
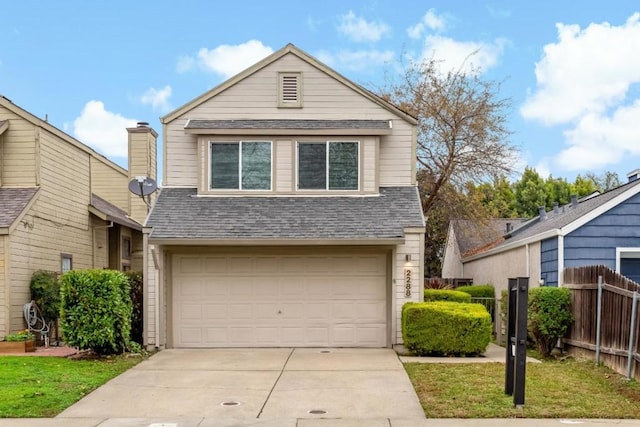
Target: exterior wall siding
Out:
[110,183]
[497,269]
[452,262]
[256,97]
[4,288]
[595,243]
[549,261]
[413,246]
[18,151]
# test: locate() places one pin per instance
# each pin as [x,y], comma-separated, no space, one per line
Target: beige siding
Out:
[369,162]
[413,246]
[142,162]
[110,183]
[284,166]
[18,151]
[452,262]
[57,223]
[152,280]
[497,269]
[4,289]
[100,243]
[255,98]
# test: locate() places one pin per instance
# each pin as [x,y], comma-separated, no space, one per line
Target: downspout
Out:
[560,260]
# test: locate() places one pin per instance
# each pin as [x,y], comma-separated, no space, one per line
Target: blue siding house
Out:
[602,229]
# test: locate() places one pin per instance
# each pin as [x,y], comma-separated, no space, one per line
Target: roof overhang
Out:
[289,127]
[27,207]
[126,222]
[276,242]
[4,125]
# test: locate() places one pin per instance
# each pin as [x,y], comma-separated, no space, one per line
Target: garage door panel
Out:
[283,300]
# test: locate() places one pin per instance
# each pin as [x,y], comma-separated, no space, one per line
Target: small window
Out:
[244,165]
[332,165]
[290,90]
[126,248]
[66,262]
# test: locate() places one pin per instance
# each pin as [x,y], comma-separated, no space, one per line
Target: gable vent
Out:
[290,90]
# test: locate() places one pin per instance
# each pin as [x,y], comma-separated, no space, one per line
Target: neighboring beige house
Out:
[289,214]
[63,206]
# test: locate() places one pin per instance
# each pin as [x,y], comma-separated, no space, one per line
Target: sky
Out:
[571,69]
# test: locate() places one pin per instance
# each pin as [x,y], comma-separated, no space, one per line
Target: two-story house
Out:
[63,206]
[289,214]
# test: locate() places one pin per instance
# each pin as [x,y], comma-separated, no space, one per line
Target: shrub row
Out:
[478,291]
[446,295]
[445,328]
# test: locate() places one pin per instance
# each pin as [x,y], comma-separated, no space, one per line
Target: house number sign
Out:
[407,282]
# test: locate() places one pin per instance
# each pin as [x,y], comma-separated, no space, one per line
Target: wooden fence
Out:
[617,345]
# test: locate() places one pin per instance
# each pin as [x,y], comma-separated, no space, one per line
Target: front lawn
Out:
[554,389]
[45,386]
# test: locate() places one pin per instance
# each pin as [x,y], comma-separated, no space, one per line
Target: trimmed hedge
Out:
[445,328]
[137,315]
[96,310]
[446,295]
[478,291]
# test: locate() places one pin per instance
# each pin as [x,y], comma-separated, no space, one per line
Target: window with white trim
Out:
[331,165]
[243,165]
[290,90]
[66,262]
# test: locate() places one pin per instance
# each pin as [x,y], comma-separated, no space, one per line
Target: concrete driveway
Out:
[257,384]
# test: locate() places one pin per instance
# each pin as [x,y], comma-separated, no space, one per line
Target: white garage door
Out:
[279,301]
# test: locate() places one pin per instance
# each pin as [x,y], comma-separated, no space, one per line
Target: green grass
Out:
[554,389]
[45,386]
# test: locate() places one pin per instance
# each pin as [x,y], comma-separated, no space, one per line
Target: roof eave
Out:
[265,131]
[4,125]
[275,242]
[26,209]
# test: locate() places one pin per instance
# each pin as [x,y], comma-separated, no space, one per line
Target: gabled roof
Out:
[109,212]
[290,126]
[181,216]
[288,49]
[566,219]
[4,125]
[9,105]
[14,203]
[473,236]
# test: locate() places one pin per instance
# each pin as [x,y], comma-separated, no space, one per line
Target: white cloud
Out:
[103,130]
[226,60]
[360,30]
[356,60]
[460,55]
[600,140]
[430,21]
[157,98]
[585,71]
[585,81]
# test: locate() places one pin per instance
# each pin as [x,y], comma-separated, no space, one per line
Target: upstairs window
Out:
[332,165]
[290,90]
[244,165]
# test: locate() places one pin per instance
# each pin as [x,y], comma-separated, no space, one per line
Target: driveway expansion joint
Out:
[276,382]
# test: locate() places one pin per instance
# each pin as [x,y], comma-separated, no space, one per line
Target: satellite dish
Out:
[142,186]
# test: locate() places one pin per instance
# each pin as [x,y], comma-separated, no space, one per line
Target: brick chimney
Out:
[142,163]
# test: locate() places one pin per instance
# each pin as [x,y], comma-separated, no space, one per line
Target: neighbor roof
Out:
[110,212]
[179,214]
[474,235]
[13,203]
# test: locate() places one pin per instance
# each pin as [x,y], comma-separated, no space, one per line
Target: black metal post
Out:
[511,336]
[521,341]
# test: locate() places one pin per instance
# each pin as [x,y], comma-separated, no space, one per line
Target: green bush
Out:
[96,310]
[45,291]
[446,295]
[485,294]
[136,284]
[478,291]
[549,316]
[445,328]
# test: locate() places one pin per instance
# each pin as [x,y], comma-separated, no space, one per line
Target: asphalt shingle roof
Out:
[473,235]
[287,124]
[12,203]
[113,212]
[180,214]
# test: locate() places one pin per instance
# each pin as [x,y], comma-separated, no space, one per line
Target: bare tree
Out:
[462,129]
